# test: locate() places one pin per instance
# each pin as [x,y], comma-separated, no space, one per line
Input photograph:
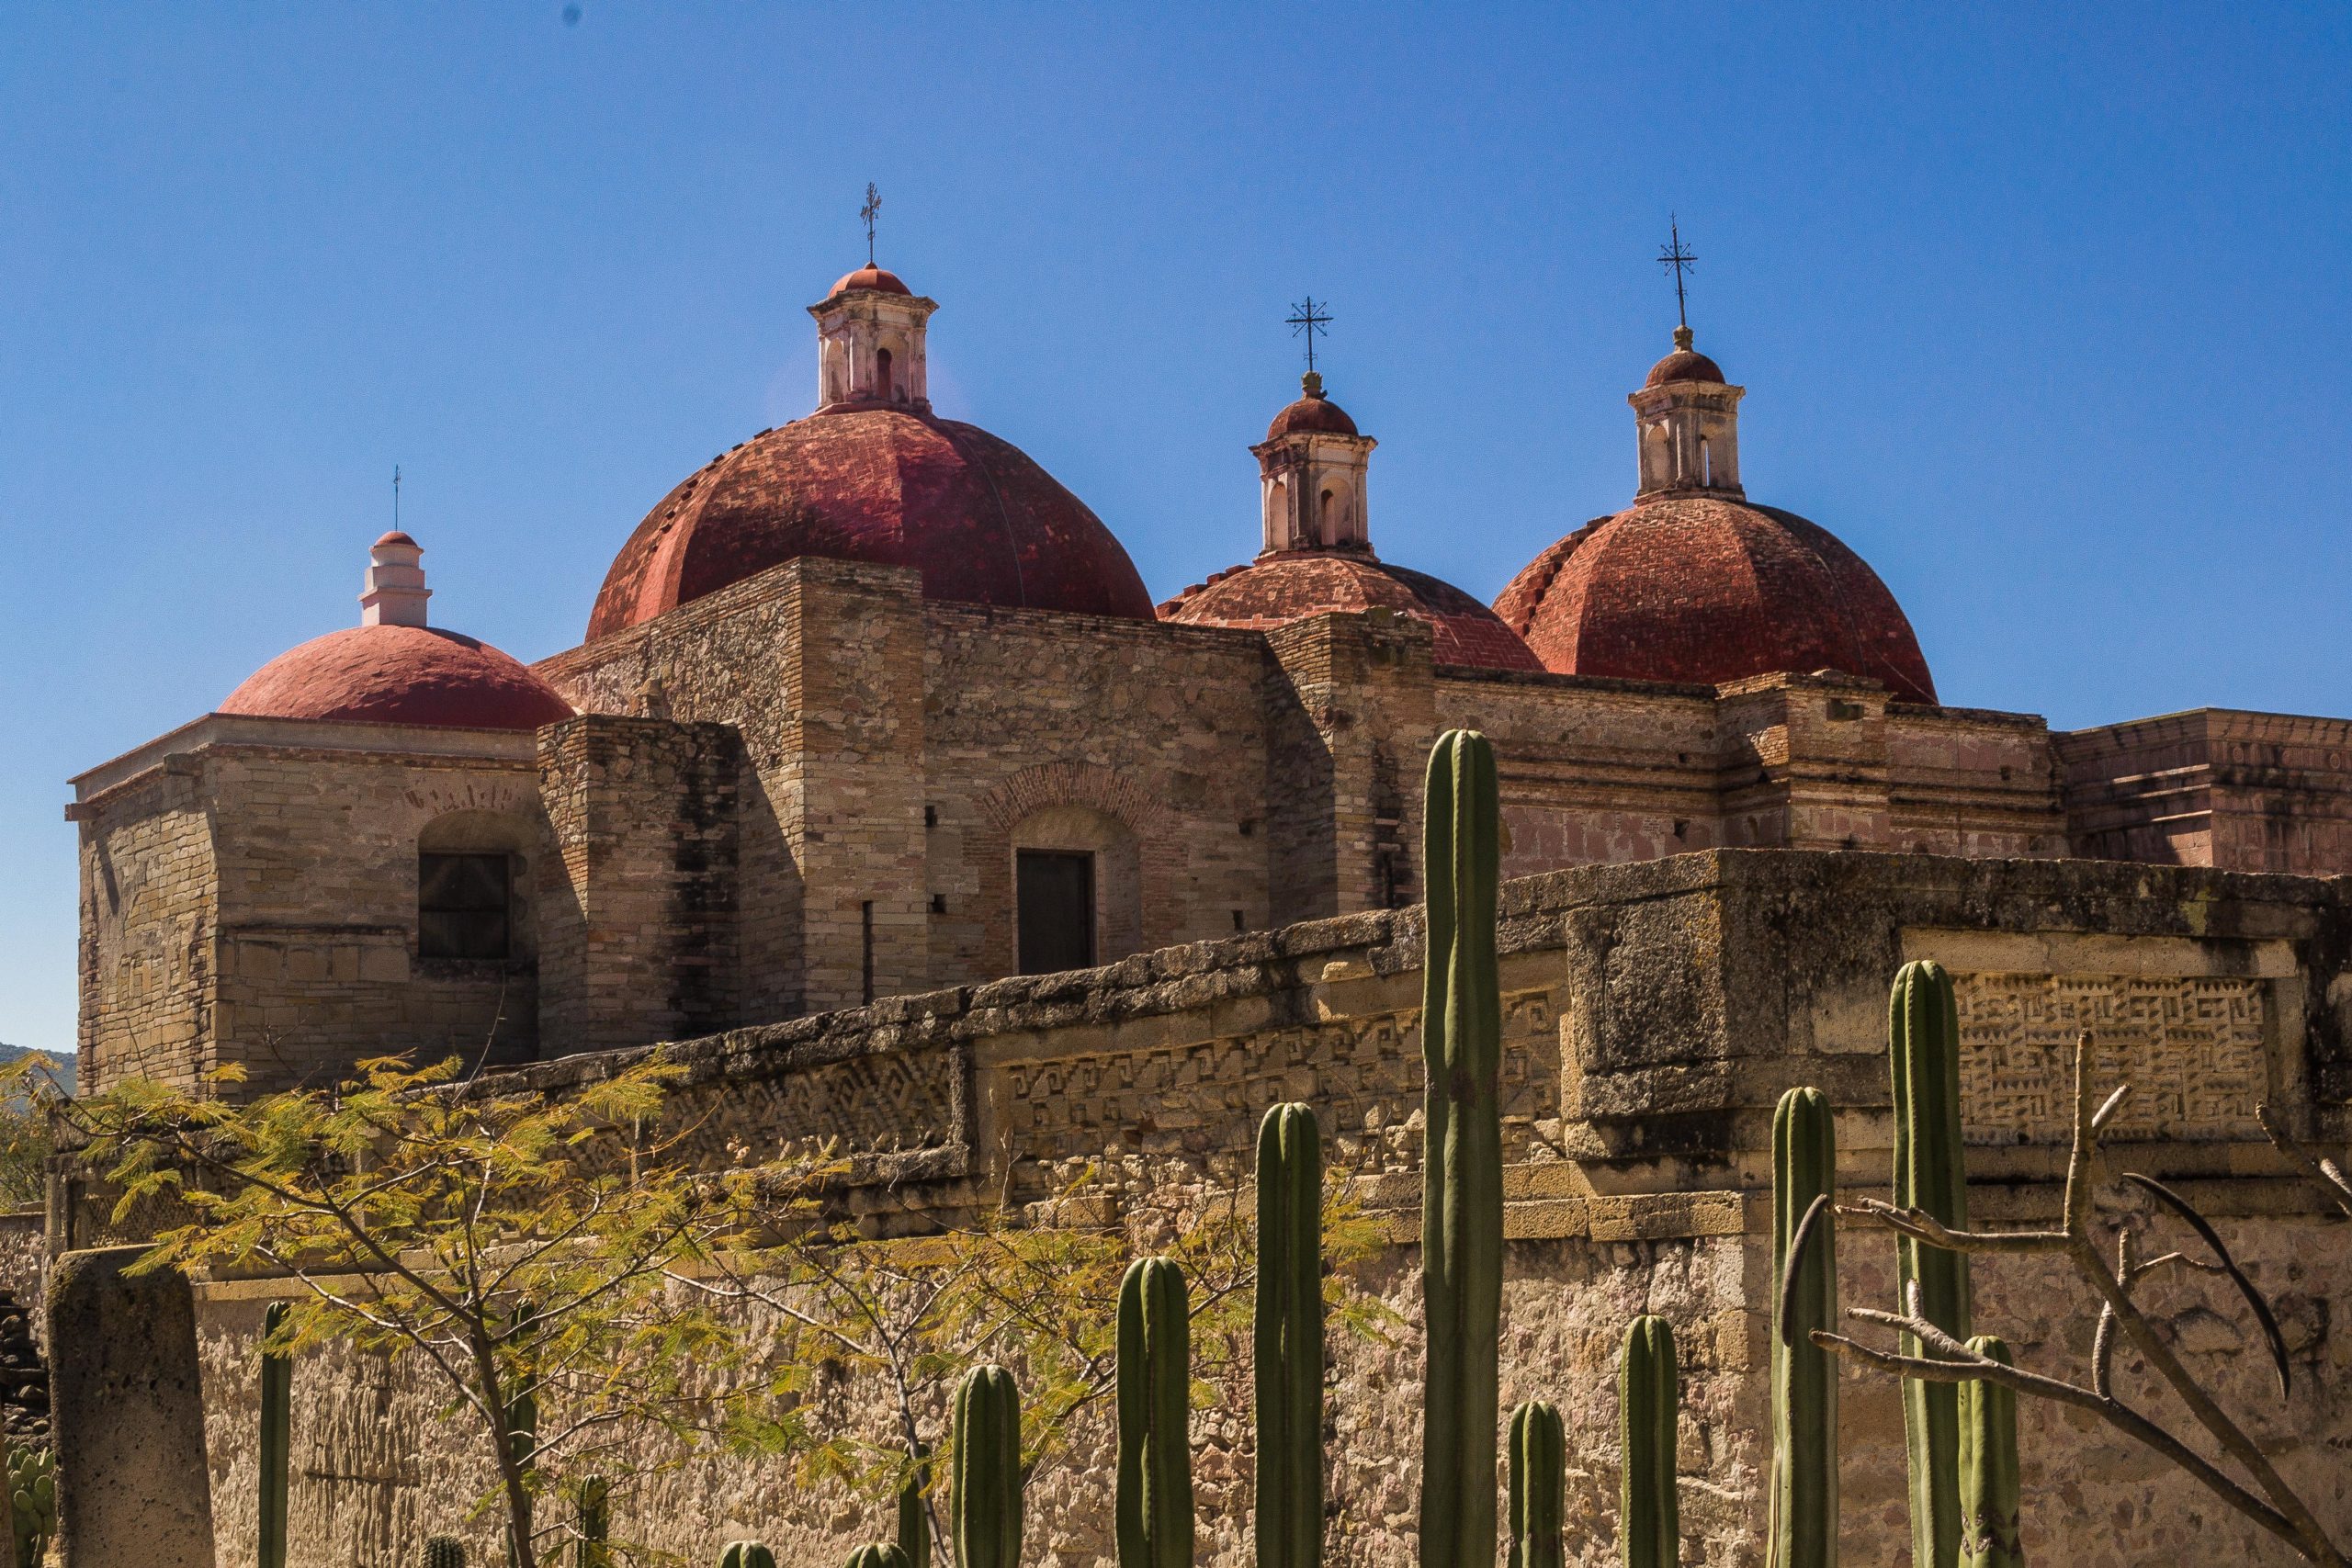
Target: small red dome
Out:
[1315,413]
[1275,589]
[1705,589]
[981,521]
[393,674]
[869,276]
[396,538]
[1684,364]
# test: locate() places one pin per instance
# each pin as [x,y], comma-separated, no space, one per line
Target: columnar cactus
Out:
[1923,1044]
[1804,1529]
[881,1554]
[914,1510]
[1538,1485]
[1290,1339]
[1648,1398]
[276,1439]
[592,1549]
[1989,1490]
[444,1551]
[746,1554]
[1154,1501]
[984,1470]
[1462,1201]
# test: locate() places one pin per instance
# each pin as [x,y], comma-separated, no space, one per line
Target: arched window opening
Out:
[1055,915]
[882,375]
[464,904]
[1328,521]
[1706,463]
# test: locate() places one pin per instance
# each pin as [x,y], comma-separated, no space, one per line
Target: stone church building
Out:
[870,705]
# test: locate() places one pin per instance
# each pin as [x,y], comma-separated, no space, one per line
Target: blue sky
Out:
[2043,309]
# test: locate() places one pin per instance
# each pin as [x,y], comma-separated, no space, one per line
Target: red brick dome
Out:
[1707,589]
[1291,584]
[1314,412]
[981,521]
[1683,365]
[869,276]
[400,674]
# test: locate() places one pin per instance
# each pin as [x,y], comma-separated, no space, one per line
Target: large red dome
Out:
[400,674]
[981,521]
[1706,589]
[1289,585]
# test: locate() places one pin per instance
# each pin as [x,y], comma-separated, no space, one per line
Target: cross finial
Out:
[872,208]
[1308,319]
[396,498]
[1676,260]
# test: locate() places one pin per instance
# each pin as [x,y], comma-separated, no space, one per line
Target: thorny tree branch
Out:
[2268,1501]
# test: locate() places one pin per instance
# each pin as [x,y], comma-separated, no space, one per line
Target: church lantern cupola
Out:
[1688,420]
[1311,469]
[870,350]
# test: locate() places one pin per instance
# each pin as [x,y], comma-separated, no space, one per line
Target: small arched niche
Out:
[1077,889]
[473,903]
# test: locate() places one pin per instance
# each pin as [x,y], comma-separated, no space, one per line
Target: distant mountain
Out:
[62,1065]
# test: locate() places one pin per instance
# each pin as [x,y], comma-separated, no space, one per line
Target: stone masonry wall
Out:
[1656,1012]
[2242,791]
[147,950]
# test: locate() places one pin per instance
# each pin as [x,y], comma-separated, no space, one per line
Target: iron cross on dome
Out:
[1308,319]
[871,210]
[1676,260]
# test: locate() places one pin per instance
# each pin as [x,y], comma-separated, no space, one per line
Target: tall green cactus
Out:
[1930,1173]
[881,1554]
[444,1551]
[1649,1394]
[1538,1457]
[592,1549]
[1461,1164]
[914,1508]
[1804,1529]
[1989,1488]
[277,1437]
[746,1554]
[984,1470]
[1290,1339]
[1154,1500]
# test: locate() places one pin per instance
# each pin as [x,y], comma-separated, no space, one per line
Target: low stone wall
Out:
[1656,1012]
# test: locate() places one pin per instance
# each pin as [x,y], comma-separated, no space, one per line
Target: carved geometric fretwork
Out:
[2191,1048]
[1362,1074]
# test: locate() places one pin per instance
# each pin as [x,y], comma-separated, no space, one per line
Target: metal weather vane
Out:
[1676,260]
[1308,319]
[871,210]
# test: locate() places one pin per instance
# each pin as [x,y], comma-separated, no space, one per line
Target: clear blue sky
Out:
[2043,309]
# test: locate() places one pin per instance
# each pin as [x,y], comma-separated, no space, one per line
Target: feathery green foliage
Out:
[1461,1205]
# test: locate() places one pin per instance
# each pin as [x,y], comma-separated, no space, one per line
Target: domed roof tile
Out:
[1708,590]
[978,516]
[1280,588]
[400,674]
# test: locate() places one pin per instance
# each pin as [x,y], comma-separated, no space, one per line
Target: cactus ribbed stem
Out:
[1462,1205]
[593,1549]
[1538,1485]
[1649,1393]
[276,1439]
[1930,1173]
[984,1470]
[914,1512]
[1989,1488]
[1804,1529]
[1154,1494]
[881,1554]
[746,1554]
[444,1551]
[1289,1339]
